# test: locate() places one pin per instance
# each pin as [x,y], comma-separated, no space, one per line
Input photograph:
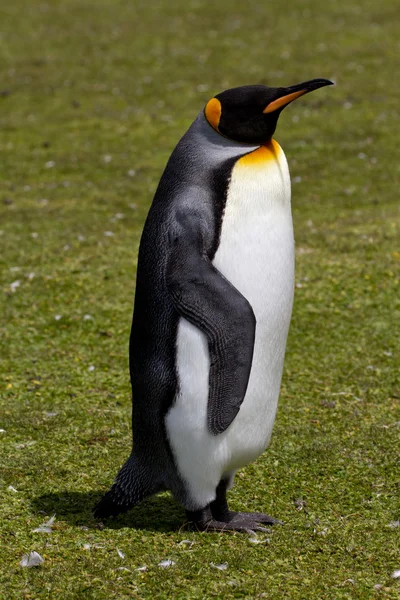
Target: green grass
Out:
[93,97]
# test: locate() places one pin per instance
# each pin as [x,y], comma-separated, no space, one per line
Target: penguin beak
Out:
[287,95]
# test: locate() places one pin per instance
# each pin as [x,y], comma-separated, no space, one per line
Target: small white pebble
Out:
[33,559]
[14,285]
[30,276]
[107,158]
[378,586]
[255,540]
[46,527]
[349,191]
[2,430]
[396,574]
[108,233]
[301,250]
[120,553]
[58,317]
[361,155]
[66,247]
[81,238]
[131,173]
[86,546]
[119,216]
[91,368]
[87,317]
[221,567]
[25,444]
[165,564]
[50,164]
[12,489]
[186,543]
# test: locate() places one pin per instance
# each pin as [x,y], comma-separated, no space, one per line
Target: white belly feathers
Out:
[256,254]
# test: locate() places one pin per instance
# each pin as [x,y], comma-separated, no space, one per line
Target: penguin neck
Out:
[202,151]
[216,144]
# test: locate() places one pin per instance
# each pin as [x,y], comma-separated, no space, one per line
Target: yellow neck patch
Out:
[213,112]
[265,153]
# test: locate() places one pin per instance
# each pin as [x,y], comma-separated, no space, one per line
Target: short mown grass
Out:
[93,97]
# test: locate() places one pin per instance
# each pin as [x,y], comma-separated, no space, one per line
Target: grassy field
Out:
[93,97]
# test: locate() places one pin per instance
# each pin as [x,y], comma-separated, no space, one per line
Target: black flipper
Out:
[202,295]
[132,485]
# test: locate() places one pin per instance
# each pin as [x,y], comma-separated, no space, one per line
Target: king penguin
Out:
[213,303]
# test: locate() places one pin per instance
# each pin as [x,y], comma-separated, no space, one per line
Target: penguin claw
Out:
[257,528]
[263,529]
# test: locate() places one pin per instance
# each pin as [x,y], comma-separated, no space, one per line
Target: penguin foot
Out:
[203,520]
[218,517]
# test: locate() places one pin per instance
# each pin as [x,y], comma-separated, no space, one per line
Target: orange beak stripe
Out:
[283,101]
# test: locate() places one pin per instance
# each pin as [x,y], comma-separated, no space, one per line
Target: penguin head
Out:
[250,113]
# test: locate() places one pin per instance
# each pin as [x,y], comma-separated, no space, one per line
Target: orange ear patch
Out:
[263,154]
[213,112]
[283,101]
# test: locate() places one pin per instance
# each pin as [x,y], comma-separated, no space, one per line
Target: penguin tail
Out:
[132,485]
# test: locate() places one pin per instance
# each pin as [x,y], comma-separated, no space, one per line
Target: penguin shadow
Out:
[159,513]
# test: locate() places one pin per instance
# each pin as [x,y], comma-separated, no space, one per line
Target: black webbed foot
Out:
[203,520]
[218,517]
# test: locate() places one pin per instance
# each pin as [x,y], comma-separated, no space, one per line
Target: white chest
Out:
[256,250]
[256,254]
